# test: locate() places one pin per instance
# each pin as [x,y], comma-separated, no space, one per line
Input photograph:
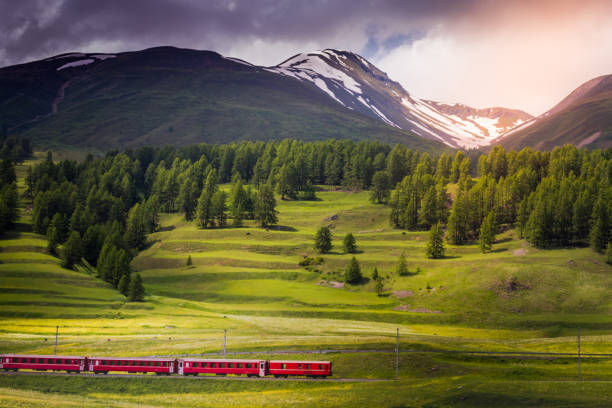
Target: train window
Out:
[308,366]
[221,365]
[141,363]
[157,364]
[165,364]
[239,365]
[283,366]
[195,364]
[213,365]
[32,360]
[320,366]
[230,365]
[49,361]
[299,366]
[23,360]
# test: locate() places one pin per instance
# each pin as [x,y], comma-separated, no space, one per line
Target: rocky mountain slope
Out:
[583,118]
[358,85]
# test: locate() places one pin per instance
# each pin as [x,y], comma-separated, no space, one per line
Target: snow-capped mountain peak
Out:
[357,84]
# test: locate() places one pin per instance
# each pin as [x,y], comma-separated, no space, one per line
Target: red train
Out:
[167,366]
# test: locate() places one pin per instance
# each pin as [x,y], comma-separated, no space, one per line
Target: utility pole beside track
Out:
[397,354]
[579,374]
[224,341]
[56,333]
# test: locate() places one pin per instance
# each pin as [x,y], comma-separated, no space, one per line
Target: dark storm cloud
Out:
[32,29]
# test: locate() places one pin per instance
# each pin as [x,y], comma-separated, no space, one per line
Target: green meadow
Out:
[248,280]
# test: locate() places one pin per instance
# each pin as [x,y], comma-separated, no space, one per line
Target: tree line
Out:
[104,207]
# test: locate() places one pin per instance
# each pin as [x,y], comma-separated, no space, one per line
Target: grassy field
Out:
[247,280]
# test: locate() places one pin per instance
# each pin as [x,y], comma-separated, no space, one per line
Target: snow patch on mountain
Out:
[76,63]
[358,85]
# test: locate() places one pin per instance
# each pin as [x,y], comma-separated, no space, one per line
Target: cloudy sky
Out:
[525,54]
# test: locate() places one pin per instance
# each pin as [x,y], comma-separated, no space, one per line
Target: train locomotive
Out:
[166,366]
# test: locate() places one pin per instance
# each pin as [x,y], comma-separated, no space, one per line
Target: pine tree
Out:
[189,261]
[375,275]
[487,233]
[204,208]
[600,232]
[135,228]
[522,217]
[381,186]
[137,291]
[428,214]
[379,287]
[323,240]
[402,268]
[72,251]
[218,208]
[435,245]
[265,206]
[609,253]
[124,285]
[349,243]
[352,274]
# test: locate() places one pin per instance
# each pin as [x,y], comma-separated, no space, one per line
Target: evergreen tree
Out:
[522,217]
[609,253]
[435,245]
[137,291]
[53,239]
[204,214]
[349,243]
[487,233]
[600,232]
[379,286]
[352,274]
[135,229]
[265,206]
[218,208]
[238,203]
[323,240]
[189,261]
[428,214]
[381,187]
[124,285]
[402,268]
[375,274]
[72,251]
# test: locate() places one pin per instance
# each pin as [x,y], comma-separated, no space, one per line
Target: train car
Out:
[285,368]
[194,366]
[43,363]
[159,366]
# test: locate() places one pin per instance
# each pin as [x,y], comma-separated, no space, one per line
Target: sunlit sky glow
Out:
[518,54]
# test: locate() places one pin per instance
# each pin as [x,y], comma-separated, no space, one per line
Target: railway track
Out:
[200,377]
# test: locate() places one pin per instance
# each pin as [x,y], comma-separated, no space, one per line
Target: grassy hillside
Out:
[173,96]
[248,280]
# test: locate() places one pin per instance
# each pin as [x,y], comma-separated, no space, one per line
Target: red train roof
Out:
[222,360]
[41,356]
[300,362]
[134,358]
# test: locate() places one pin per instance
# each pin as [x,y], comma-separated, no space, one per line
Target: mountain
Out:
[583,118]
[167,95]
[358,85]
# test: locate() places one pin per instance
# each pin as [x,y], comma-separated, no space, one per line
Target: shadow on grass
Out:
[498,250]
[166,229]
[284,228]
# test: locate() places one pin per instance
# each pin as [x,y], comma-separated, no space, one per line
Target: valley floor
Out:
[247,280]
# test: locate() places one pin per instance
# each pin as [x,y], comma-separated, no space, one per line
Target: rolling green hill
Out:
[583,118]
[248,280]
[166,95]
